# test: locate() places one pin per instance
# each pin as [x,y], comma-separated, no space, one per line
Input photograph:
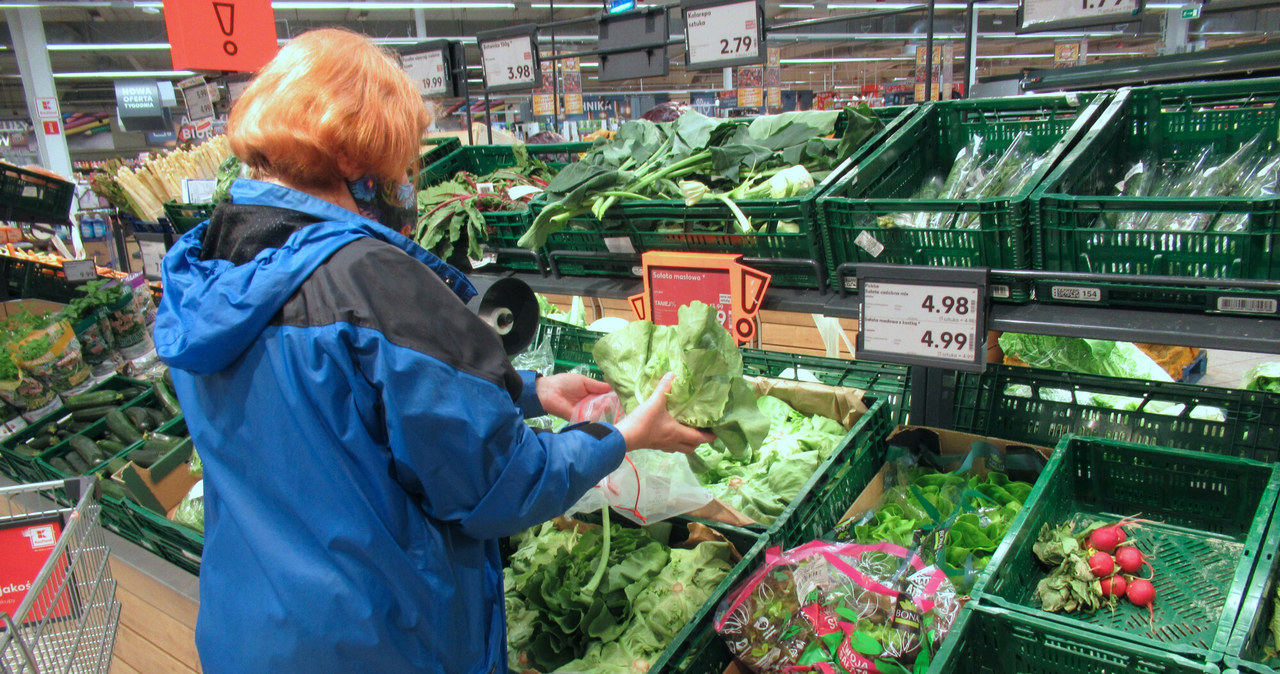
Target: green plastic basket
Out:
[1040,406]
[27,196]
[177,543]
[883,183]
[1212,512]
[24,468]
[988,640]
[794,259]
[1176,123]
[1252,634]
[185,217]
[95,432]
[504,227]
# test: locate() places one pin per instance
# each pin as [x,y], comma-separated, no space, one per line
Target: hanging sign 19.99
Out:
[916,316]
[427,71]
[510,58]
[723,33]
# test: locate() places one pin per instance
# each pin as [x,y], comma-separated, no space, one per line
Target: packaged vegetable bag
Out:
[128,325]
[52,355]
[839,608]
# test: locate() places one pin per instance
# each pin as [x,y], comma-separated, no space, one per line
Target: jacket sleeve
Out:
[528,402]
[449,406]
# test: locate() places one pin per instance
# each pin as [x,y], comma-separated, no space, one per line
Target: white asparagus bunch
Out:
[159,179]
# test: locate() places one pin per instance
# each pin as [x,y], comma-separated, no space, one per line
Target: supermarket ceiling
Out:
[92,42]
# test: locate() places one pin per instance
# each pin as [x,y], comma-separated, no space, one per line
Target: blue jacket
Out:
[363,441]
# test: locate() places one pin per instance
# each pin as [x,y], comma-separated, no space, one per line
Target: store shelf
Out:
[1215,331]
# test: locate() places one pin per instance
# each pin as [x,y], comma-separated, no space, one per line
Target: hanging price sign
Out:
[1038,15]
[916,316]
[720,34]
[510,58]
[428,72]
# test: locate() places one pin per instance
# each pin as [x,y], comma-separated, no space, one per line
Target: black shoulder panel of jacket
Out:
[372,284]
[237,233]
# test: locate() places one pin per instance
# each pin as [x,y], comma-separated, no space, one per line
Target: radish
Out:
[1129,558]
[1106,538]
[1114,586]
[1101,564]
[1142,593]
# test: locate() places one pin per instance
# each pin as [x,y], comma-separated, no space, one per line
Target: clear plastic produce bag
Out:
[649,486]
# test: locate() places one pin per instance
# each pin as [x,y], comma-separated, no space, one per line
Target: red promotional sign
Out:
[234,35]
[52,129]
[672,288]
[27,545]
[672,280]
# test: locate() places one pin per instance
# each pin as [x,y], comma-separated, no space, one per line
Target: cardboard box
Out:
[951,443]
[161,487]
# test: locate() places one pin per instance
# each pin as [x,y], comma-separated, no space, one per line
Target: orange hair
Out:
[329,96]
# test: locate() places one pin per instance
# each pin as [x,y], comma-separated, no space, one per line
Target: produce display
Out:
[452,212]
[1264,377]
[190,512]
[841,607]
[697,158]
[1092,569]
[143,191]
[1252,170]
[976,173]
[583,600]
[954,521]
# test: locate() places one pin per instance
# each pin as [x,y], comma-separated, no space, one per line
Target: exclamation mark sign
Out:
[227,23]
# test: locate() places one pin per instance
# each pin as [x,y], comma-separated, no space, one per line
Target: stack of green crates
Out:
[884,183]
[505,227]
[1252,647]
[1174,124]
[28,196]
[794,259]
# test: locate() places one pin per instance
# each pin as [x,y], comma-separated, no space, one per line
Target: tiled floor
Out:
[1227,368]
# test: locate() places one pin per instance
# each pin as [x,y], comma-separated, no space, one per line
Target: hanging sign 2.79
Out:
[510,58]
[723,33]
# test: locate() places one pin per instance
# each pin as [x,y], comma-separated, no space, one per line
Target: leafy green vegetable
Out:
[230,169]
[708,390]
[97,295]
[190,511]
[1264,377]
[8,371]
[1092,356]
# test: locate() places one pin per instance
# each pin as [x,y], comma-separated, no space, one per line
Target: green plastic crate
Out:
[185,217]
[795,260]
[1251,635]
[27,196]
[25,468]
[438,148]
[94,431]
[1040,406]
[1213,513]
[505,227]
[177,543]
[988,640]
[1174,122]
[883,183]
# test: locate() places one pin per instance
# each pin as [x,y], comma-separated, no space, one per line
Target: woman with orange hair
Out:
[362,432]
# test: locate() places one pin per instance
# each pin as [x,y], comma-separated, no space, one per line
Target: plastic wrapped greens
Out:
[191,511]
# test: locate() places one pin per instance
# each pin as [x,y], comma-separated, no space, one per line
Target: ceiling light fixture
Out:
[123,74]
[797,6]
[121,46]
[380,6]
[850,59]
[566,5]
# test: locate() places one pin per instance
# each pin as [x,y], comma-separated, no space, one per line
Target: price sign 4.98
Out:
[924,321]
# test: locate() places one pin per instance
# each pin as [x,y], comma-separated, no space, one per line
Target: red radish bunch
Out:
[1114,586]
[1101,564]
[1129,559]
[1114,563]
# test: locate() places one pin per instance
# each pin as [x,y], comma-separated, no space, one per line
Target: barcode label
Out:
[868,242]
[1247,305]
[1000,291]
[1077,294]
[619,244]
[851,283]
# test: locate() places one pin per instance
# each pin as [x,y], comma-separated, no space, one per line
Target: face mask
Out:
[393,205]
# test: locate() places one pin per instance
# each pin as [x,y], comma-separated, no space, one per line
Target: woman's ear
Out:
[347,168]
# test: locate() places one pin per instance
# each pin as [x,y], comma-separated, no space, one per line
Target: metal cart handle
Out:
[12,629]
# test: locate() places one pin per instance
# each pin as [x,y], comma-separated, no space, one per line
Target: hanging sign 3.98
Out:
[509,62]
[721,34]
[922,323]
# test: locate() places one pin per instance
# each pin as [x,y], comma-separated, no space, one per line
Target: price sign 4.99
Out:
[722,33]
[906,319]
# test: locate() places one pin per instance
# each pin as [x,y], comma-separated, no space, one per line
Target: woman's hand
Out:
[560,393]
[650,426]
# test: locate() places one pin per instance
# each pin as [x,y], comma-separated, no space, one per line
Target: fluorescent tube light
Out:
[379,6]
[122,46]
[848,59]
[123,74]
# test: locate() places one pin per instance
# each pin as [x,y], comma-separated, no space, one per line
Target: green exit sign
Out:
[1191,12]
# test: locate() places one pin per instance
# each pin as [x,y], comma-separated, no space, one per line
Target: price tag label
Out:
[427,71]
[1047,14]
[725,34]
[80,271]
[916,321]
[509,63]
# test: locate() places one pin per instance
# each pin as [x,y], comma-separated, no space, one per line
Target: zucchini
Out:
[119,424]
[62,434]
[114,489]
[160,445]
[165,438]
[40,442]
[60,465]
[158,418]
[23,450]
[114,465]
[144,458]
[78,465]
[92,413]
[140,419]
[86,449]
[94,399]
[130,392]
[111,447]
[167,399]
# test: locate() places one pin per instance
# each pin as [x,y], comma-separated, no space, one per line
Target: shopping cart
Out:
[66,622]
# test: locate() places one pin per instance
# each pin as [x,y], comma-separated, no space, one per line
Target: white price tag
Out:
[1076,294]
[619,244]
[920,320]
[722,33]
[508,62]
[1042,13]
[427,71]
[79,271]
